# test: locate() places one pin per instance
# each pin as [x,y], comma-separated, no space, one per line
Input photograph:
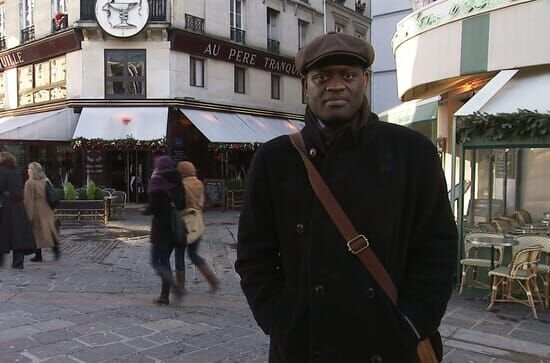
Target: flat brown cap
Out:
[332,44]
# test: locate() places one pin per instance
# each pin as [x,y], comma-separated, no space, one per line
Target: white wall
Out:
[535,178]
[384,91]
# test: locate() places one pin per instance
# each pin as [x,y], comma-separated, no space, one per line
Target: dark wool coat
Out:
[315,299]
[16,232]
[159,207]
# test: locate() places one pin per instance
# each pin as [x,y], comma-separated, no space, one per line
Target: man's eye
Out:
[320,78]
[349,76]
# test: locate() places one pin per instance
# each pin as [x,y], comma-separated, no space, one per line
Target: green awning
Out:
[411,112]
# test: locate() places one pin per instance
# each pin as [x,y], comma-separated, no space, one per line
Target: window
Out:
[2,91]
[339,28]
[196,72]
[59,6]
[240,75]
[275,87]
[124,73]
[2,26]
[42,82]
[237,20]
[59,15]
[27,21]
[272,33]
[302,33]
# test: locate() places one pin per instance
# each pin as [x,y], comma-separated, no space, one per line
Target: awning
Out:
[116,123]
[226,127]
[511,90]
[411,112]
[44,126]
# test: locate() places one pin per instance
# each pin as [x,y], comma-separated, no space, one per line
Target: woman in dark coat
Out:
[15,228]
[165,189]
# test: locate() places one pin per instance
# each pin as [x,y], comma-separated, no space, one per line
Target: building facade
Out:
[93,89]
[483,69]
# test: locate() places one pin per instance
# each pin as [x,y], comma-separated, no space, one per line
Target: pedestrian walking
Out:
[192,214]
[364,276]
[40,213]
[15,229]
[165,193]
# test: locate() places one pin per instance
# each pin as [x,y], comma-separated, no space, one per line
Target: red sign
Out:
[204,46]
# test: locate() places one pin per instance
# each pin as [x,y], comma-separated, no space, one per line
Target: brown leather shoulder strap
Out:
[357,244]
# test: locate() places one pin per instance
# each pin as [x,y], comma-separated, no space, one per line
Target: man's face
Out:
[335,92]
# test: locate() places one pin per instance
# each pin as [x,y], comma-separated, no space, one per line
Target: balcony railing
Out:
[273,45]
[27,34]
[2,43]
[87,9]
[237,35]
[60,22]
[194,23]
[157,10]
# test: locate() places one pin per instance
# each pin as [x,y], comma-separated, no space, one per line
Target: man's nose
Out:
[335,83]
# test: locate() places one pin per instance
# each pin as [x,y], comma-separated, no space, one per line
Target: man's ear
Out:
[366,77]
[304,83]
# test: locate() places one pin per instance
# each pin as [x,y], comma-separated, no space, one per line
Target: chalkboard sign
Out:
[214,190]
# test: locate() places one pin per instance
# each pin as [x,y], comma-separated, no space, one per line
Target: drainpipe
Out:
[453,166]
[324,16]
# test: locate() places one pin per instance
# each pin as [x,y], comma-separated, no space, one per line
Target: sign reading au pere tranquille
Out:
[34,52]
[197,44]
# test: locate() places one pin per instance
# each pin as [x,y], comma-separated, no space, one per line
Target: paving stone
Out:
[54,336]
[164,324]
[141,343]
[133,358]
[60,359]
[90,328]
[103,353]
[163,337]
[464,356]
[55,349]
[134,331]
[18,332]
[210,355]
[531,336]
[168,351]
[500,328]
[99,339]
[17,344]
[53,324]
[15,358]
[458,322]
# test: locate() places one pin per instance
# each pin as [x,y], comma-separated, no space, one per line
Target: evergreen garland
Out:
[126,144]
[503,126]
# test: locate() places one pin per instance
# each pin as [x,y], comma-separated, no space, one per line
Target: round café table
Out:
[486,241]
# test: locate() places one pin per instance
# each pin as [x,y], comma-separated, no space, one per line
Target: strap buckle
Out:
[361,243]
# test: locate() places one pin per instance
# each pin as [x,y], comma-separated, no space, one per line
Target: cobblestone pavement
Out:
[94,305]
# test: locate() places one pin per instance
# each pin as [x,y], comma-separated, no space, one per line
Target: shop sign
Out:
[229,52]
[122,18]
[37,51]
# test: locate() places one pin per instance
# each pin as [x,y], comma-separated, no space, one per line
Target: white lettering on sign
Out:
[10,60]
[212,49]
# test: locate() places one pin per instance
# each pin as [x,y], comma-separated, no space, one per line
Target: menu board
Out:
[214,190]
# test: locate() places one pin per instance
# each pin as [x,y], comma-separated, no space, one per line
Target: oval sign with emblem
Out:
[122,18]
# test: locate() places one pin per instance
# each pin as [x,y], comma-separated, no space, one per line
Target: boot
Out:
[180,278]
[167,278]
[17,260]
[210,277]
[37,256]
[164,298]
[56,252]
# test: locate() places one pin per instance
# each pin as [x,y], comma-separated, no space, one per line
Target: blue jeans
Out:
[160,258]
[192,252]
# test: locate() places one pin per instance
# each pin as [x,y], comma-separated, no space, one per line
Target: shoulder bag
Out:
[52,196]
[177,227]
[428,350]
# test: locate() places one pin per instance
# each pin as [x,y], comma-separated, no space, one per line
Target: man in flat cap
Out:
[313,295]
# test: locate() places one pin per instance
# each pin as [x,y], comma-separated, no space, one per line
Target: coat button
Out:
[370,293]
[300,228]
[313,152]
[376,359]
[319,290]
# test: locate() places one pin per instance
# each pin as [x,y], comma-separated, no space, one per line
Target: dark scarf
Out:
[164,180]
[331,133]
[7,164]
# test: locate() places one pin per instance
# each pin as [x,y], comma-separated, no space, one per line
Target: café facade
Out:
[97,100]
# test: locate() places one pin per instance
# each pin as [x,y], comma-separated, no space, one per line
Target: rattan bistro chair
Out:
[523,271]
[473,261]
[543,267]
[523,216]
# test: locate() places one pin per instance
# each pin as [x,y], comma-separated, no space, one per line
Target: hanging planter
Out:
[504,126]
[126,144]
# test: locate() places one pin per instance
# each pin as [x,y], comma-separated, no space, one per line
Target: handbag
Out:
[194,223]
[52,196]
[177,227]
[428,350]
